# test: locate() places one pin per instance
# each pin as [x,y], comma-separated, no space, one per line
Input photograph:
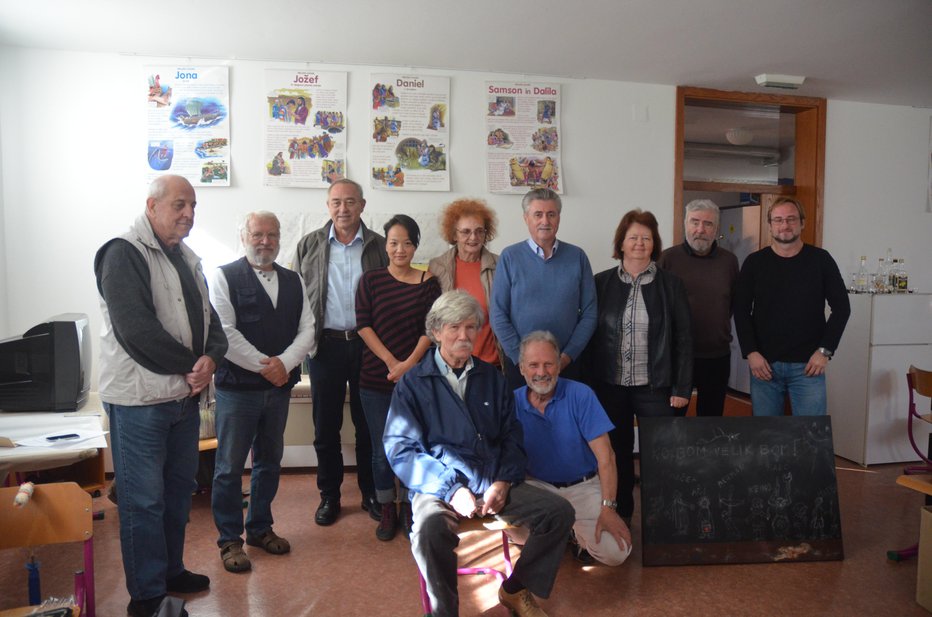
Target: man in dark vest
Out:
[267,319]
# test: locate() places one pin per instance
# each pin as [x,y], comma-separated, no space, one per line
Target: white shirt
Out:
[243,353]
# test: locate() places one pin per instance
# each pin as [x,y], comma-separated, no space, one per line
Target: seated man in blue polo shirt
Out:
[568,450]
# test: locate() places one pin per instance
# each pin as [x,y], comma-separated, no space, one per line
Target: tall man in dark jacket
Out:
[267,319]
[453,439]
[709,273]
[780,316]
[331,261]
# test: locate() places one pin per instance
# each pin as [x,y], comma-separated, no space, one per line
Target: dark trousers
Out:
[337,363]
[433,540]
[710,378]
[622,403]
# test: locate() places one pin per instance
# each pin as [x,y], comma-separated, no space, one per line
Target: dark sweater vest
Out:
[271,330]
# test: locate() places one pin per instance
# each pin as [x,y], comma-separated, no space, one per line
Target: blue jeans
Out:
[375,405]
[807,394]
[254,419]
[155,460]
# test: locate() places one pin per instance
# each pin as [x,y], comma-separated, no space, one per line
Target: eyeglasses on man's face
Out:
[789,220]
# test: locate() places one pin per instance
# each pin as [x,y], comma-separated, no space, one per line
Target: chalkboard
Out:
[738,490]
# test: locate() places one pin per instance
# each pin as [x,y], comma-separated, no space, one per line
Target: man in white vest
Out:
[160,344]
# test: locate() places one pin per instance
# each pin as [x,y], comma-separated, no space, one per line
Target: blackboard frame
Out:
[720,490]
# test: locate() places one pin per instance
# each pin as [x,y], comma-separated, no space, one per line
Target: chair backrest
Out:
[56,513]
[921,381]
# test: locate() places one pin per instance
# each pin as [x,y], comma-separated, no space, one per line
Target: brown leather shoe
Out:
[270,542]
[521,604]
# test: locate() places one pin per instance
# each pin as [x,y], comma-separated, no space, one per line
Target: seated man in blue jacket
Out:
[453,439]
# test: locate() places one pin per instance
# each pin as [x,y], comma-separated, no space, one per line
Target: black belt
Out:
[588,476]
[342,335]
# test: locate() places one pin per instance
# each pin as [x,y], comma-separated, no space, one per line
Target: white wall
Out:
[72,150]
[73,155]
[876,175]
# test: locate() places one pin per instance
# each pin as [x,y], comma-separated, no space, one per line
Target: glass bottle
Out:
[861,281]
[879,284]
[891,275]
[902,278]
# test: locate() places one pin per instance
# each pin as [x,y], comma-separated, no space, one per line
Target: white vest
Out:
[122,380]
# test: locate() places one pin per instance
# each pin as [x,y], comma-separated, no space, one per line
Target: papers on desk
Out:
[64,441]
[33,430]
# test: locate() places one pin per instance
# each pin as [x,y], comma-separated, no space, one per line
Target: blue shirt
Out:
[557,295]
[557,441]
[540,252]
[343,273]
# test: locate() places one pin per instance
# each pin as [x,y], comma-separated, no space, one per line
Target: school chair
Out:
[57,513]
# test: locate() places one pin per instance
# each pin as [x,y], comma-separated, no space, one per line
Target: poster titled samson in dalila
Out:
[522,127]
[188,123]
[305,128]
[409,122]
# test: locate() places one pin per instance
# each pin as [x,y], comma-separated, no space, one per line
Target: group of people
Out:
[466,382]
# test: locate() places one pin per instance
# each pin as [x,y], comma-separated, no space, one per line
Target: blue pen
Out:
[62,437]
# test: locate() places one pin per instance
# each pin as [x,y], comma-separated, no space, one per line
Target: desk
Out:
[85,465]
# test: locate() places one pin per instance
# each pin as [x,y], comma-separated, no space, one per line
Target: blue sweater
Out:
[532,294]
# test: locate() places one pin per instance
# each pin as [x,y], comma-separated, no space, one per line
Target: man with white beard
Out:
[709,273]
[267,319]
[569,452]
[453,440]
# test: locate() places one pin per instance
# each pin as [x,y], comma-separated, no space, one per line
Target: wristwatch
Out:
[828,353]
[610,503]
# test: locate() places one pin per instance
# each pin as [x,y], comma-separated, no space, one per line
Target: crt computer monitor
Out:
[49,367]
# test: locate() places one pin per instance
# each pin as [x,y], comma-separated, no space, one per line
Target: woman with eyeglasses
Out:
[468,225]
[641,354]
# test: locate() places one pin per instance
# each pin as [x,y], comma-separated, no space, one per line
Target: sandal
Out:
[270,542]
[234,558]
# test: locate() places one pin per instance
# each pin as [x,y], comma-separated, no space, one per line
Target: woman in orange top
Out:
[468,225]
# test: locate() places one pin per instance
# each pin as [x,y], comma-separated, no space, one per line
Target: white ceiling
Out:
[877,51]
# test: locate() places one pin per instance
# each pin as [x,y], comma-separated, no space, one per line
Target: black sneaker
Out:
[144,608]
[388,525]
[371,505]
[579,553]
[187,582]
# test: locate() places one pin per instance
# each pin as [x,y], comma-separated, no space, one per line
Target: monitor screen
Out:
[48,368]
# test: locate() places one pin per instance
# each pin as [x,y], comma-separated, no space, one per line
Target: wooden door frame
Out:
[809,177]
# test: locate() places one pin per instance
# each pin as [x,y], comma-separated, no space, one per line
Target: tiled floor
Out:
[344,571]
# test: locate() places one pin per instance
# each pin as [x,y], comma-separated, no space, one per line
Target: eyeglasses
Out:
[478,232]
[779,220]
[256,236]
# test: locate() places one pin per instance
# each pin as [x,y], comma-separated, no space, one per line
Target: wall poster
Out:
[305,128]
[188,123]
[409,121]
[522,127]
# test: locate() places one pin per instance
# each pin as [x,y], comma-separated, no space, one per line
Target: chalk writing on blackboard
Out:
[717,490]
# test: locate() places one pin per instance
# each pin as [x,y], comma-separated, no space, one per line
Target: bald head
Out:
[170,208]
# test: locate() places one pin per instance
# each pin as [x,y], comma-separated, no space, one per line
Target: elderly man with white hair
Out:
[709,273]
[267,318]
[452,438]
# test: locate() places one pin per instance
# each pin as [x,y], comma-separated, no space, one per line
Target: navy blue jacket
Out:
[437,442]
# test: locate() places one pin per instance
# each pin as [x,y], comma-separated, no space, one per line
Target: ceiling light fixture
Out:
[739,136]
[786,82]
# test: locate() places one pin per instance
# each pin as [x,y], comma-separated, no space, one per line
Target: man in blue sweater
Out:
[543,284]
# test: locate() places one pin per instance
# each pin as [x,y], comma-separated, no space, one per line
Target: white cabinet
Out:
[867,392]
